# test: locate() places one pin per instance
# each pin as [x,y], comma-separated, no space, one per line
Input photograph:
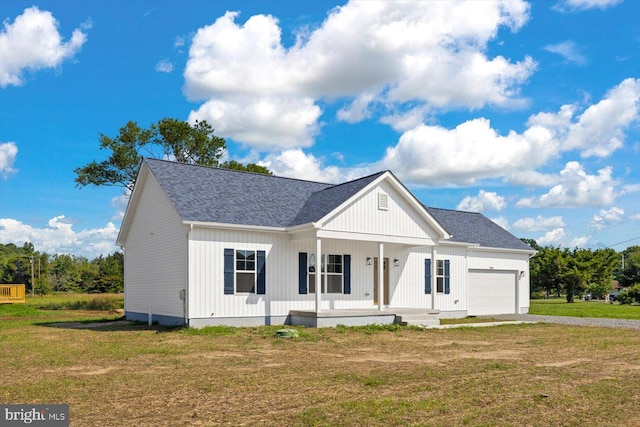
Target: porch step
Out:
[424,320]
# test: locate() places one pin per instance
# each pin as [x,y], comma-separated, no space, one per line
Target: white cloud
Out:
[263,123]
[606,218]
[120,204]
[8,153]
[568,50]
[635,217]
[551,238]
[502,222]
[577,188]
[600,129]
[32,43]
[358,110]
[164,66]
[297,164]
[539,223]
[431,54]
[579,242]
[473,150]
[579,5]
[484,201]
[59,237]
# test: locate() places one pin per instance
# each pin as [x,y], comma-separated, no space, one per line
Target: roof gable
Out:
[323,202]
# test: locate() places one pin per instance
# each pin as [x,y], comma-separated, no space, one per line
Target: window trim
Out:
[230,283]
[245,271]
[324,273]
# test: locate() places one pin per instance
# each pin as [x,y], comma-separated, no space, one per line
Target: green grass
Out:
[599,309]
[537,375]
[63,301]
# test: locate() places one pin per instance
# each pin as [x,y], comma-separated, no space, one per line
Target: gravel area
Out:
[574,321]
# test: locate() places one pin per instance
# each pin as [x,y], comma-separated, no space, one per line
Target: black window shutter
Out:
[427,276]
[347,274]
[447,284]
[302,273]
[228,271]
[262,274]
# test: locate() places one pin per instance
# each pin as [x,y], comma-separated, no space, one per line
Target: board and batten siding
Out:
[508,261]
[155,255]
[364,216]
[206,273]
[409,291]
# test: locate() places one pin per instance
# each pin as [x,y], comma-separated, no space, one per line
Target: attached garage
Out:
[492,292]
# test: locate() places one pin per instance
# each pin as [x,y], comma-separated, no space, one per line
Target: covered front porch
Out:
[362,317]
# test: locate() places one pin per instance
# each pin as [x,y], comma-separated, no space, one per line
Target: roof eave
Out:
[243,227]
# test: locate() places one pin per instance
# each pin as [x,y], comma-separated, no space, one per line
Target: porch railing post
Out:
[318,275]
[380,277]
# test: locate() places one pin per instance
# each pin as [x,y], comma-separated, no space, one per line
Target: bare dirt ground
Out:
[120,375]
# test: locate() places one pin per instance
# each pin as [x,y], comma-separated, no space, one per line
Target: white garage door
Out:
[492,292]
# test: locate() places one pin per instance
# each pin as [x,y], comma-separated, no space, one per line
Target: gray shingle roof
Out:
[473,227]
[324,201]
[232,197]
[226,196]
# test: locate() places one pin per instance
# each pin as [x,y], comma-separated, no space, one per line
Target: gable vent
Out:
[383,202]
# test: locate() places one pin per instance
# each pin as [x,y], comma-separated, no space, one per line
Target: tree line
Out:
[43,273]
[573,272]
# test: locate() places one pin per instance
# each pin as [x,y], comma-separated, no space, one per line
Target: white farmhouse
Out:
[210,246]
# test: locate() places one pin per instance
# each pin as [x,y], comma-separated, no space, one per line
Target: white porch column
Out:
[381,276]
[434,280]
[318,275]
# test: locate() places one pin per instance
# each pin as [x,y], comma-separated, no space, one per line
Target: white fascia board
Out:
[520,251]
[134,198]
[239,227]
[364,237]
[444,242]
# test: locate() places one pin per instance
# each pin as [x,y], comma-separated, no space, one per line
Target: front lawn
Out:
[133,375]
[560,307]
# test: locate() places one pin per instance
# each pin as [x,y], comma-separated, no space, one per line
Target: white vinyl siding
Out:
[399,219]
[155,255]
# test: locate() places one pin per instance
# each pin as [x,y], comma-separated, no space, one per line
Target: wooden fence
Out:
[12,294]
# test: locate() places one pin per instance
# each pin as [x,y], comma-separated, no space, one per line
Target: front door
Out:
[385,284]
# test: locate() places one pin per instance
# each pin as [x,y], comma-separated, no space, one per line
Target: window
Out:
[244,271]
[440,276]
[331,279]
[443,280]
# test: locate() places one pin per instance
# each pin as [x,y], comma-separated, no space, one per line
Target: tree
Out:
[250,167]
[169,138]
[630,275]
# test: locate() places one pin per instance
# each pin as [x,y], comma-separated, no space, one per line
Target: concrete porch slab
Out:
[353,317]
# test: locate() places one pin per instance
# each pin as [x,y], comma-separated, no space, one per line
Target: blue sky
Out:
[528,112]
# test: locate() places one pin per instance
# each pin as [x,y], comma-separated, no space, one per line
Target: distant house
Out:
[208,246]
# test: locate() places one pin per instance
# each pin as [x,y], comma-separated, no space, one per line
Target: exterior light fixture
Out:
[369,261]
[396,262]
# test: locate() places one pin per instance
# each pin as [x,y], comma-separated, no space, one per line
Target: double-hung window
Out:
[244,271]
[335,273]
[331,274]
[443,280]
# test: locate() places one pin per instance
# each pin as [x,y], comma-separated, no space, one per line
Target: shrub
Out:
[630,295]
